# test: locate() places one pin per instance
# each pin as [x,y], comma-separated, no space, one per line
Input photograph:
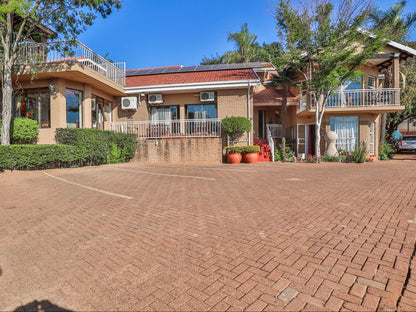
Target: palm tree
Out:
[393,22]
[285,78]
[247,49]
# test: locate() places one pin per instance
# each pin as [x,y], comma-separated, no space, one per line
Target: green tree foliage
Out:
[22,21]
[326,46]
[235,127]
[247,49]
[396,26]
[393,22]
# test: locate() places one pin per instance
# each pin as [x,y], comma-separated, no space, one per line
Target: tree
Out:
[285,78]
[407,96]
[396,26]
[246,49]
[393,22]
[23,21]
[326,46]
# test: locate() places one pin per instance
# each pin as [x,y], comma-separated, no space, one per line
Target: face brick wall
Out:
[180,151]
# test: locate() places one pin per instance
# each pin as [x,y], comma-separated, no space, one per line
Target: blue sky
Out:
[151,33]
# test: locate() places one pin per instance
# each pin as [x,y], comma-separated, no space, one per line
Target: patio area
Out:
[268,236]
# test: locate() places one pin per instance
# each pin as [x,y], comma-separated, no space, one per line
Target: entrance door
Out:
[262,124]
[302,139]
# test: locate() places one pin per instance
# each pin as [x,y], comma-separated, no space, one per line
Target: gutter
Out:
[193,86]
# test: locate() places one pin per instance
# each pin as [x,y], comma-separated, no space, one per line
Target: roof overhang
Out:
[234,84]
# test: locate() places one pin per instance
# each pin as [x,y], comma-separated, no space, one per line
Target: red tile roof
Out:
[272,96]
[171,66]
[191,77]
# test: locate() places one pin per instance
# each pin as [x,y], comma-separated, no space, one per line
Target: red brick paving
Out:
[323,237]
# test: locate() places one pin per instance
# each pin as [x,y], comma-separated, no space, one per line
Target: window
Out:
[201,111]
[33,104]
[371,82]
[347,130]
[163,113]
[73,108]
[372,134]
[100,112]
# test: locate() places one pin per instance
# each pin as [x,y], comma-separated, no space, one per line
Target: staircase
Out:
[265,154]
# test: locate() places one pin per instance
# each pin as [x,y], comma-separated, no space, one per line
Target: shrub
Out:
[358,156]
[243,149]
[330,158]
[38,156]
[385,151]
[23,131]
[286,155]
[235,127]
[97,147]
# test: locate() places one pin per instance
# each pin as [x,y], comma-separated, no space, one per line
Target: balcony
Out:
[61,56]
[377,100]
[168,129]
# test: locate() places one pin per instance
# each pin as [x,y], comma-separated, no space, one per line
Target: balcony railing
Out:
[359,98]
[71,51]
[158,129]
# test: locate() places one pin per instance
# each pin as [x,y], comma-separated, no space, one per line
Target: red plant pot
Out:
[234,158]
[251,158]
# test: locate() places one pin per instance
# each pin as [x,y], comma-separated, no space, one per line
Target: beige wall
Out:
[58,104]
[231,102]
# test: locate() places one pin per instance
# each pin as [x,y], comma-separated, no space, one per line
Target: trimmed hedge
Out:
[235,127]
[243,149]
[23,130]
[24,157]
[97,147]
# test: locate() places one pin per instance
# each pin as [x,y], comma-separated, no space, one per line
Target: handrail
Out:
[270,140]
[156,129]
[71,51]
[360,98]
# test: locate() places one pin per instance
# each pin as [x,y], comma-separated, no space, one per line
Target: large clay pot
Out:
[234,158]
[251,158]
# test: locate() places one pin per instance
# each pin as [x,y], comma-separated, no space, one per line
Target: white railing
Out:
[270,140]
[275,130]
[71,51]
[362,98]
[158,129]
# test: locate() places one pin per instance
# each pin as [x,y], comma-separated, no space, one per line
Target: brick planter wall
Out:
[180,151]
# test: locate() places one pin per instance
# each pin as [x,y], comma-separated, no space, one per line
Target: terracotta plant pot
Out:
[251,158]
[234,158]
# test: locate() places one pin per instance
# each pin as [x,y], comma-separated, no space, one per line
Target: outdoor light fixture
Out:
[52,87]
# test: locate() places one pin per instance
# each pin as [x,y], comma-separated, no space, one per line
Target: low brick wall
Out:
[180,151]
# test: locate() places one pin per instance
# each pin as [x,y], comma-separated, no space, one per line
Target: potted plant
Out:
[234,154]
[251,153]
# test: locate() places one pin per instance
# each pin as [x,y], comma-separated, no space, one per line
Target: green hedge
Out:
[23,131]
[97,147]
[235,127]
[243,149]
[38,156]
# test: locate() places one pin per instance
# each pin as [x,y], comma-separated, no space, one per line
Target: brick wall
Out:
[180,151]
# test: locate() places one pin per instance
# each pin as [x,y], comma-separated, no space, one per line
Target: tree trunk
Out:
[284,114]
[7,90]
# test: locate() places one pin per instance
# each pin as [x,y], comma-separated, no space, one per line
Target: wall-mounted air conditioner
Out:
[207,96]
[129,102]
[155,99]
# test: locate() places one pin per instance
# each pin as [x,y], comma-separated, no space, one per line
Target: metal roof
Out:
[187,69]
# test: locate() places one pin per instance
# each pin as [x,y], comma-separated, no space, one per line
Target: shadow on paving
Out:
[40,306]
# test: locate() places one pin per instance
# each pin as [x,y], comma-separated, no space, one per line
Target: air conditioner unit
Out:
[155,99]
[207,96]
[129,102]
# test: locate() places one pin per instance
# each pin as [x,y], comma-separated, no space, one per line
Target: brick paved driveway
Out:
[243,237]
